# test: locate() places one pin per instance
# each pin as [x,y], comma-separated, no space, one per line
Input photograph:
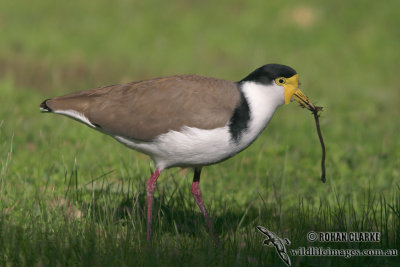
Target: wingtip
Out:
[44,107]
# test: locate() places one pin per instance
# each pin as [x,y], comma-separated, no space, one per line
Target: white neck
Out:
[263,100]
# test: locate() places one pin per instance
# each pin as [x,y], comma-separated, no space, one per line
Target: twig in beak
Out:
[316,117]
[305,103]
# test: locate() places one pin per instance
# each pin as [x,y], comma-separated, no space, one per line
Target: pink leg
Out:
[196,192]
[150,188]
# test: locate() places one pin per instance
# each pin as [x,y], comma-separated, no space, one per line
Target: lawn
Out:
[70,196]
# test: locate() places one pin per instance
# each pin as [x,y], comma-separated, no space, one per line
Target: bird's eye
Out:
[280,81]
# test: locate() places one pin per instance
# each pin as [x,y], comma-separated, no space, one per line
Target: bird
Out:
[187,121]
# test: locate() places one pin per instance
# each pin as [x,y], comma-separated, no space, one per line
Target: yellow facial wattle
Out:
[291,86]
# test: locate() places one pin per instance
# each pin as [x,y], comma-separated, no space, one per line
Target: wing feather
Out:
[146,109]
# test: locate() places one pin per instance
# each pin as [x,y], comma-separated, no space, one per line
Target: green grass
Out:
[70,196]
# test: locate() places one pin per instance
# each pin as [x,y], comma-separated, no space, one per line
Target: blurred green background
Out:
[346,53]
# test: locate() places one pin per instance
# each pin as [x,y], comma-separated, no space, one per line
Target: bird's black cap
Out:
[269,72]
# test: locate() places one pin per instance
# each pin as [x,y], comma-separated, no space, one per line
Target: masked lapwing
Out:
[184,120]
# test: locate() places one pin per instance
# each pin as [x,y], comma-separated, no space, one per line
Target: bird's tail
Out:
[75,101]
[44,107]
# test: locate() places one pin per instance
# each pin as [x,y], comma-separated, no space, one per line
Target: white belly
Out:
[189,147]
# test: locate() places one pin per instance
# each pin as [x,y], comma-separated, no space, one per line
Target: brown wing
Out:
[145,109]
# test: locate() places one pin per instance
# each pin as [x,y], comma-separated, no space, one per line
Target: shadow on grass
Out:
[176,215]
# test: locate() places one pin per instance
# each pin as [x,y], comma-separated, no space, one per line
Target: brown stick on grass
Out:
[316,117]
[305,103]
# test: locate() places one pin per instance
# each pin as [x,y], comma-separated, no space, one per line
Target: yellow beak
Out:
[292,90]
[303,100]
[291,85]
